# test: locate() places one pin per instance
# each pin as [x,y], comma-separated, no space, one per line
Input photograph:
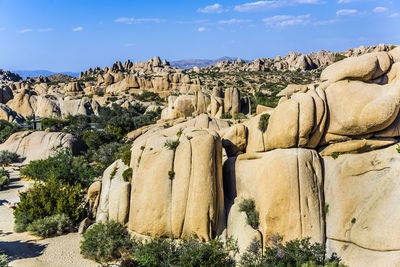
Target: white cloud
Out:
[394,15]
[326,22]
[25,30]
[345,1]
[346,12]
[135,20]
[234,21]
[45,30]
[201,29]
[216,8]
[286,20]
[77,29]
[380,9]
[263,5]
[259,5]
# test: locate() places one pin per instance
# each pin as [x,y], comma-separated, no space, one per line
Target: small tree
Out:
[7,157]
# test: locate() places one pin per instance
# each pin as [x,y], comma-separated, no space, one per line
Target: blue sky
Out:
[74,35]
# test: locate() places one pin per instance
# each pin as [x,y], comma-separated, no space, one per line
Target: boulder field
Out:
[323,164]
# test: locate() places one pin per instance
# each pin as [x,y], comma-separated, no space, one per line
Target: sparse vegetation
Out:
[4,178]
[339,57]
[263,122]
[126,157]
[7,129]
[172,144]
[3,260]
[353,221]
[335,155]
[326,208]
[248,206]
[7,157]
[127,175]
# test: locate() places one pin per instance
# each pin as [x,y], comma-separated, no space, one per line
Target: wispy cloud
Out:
[45,30]
[130,44]
[394,15]
[193,21]
[77,29]
[215,8]
[346,12]
[282,21]
[25,30]
[137,20]
[234,21]
[269,4]
[326,22]
[380,9]
[201,29]
[345,1]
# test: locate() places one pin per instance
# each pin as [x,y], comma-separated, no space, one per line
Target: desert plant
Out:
[54,124]
[326,208]
[248,206]
[7,157]
[339,57]
[335,155]
[126,157]
[49,199]
[127,175]
[172,144]
[293,253]
[7,129]
[226,115]
[51,226]
[104,242]
[3,260]
[263,122]
[4,178]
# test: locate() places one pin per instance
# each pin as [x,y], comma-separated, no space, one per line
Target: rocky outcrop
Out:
[287,187]
[40,145]
[362,192]
[115,194]
[177,188]
[6,113]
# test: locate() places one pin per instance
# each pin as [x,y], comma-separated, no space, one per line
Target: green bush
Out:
[4,178]
[51,226]
[172,144]
[148,96]
[248,206]
[339,57]
[3,260]
[263,122]
[7,157]
[62,166]
[293,253]
[49,199]
[7,129]
[127,175]
[54,124]
[105,242]
[126,157]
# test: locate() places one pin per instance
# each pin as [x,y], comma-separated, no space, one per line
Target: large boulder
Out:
[363,219]
[40,145]
[115,194]
[6,113]
[178,192]
[287,187]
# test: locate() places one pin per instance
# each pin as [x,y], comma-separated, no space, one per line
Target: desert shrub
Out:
[49,199]
[4,178]
[335,155]
[127,175]
[126,157]
[54,124]
[293,253]
[263,122]
[3,260]
[171,144]
[105,155]
[63,167]
[239,116]
[339,57]
[226,115]
[7,129]
[248,206]
[7,157]
[51,226]
[163,252]
[148,96]
[393,47]
[77,125]
[104,242]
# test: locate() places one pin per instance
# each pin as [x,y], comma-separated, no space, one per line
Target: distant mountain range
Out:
[36,73]
[190,63]
[180,64]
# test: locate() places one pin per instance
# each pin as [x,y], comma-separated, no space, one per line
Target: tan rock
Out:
[362,191]
[356,146]
[286,185]
[234,139]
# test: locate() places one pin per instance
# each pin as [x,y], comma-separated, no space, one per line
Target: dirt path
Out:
[27,250]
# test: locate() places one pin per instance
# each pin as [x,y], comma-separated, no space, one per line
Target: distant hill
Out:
[190,63]
[37,73]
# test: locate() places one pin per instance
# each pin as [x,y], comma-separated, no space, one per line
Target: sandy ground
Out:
[27,250]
